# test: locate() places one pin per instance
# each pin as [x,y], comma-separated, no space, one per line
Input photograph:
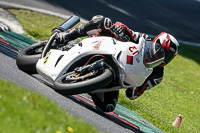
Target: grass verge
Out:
[179,92]
[36,24]
[24,111]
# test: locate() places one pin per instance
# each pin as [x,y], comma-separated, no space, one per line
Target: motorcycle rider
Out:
[103,26]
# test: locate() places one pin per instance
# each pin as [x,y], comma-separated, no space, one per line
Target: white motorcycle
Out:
[95,64]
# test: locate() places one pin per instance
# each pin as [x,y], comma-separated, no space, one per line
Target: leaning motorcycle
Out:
[92,65]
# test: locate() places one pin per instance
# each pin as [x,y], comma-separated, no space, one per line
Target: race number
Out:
[133,50]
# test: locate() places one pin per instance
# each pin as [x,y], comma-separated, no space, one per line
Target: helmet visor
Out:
[168,57]
[153,54]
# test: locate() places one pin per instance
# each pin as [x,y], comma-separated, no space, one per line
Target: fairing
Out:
[127,55]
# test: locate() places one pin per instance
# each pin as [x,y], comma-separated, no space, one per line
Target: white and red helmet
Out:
[170,45]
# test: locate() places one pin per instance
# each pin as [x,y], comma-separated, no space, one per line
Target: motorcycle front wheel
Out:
[72,83]
[27,58]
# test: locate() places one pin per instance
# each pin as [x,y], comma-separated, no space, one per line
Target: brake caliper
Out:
[98,65]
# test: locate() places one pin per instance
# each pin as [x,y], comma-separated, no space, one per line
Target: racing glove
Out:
[117,30]
[61,38]
[121,32]
[134,93]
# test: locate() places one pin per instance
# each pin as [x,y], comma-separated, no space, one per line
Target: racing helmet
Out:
[170,45]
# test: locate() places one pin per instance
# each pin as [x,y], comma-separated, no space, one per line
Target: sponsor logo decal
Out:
[47,57]
[138,60]
[45,61]
[97,46]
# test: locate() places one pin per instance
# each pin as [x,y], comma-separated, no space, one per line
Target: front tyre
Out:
[73,83]
[28,57]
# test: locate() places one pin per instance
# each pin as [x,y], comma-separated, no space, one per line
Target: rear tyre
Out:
[28,57]
[70,83]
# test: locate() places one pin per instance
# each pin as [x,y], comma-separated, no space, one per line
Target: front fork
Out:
[99,65]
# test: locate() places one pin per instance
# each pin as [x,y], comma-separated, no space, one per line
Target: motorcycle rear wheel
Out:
[28,57]
[90,84]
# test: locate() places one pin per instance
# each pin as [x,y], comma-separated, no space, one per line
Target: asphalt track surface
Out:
[9,71]
[178,17]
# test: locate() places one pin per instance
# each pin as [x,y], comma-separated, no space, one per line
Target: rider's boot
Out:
[93,27]
[105,102]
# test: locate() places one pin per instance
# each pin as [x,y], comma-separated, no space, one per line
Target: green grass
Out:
[179,92]
[36,24]
[24,111]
